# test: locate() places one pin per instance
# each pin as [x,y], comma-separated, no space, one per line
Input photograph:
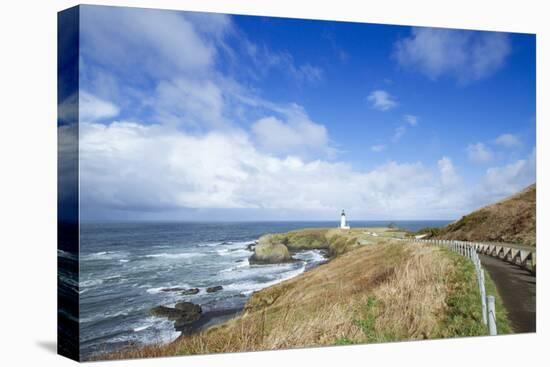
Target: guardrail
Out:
[524,258]
[470,250]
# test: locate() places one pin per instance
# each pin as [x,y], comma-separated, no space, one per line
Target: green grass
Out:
[463,315]
[367,324]
[503,323]
[344,341]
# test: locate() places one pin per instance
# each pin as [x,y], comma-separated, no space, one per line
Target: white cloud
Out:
[265,60]
[381,100]
[466,55]
[309,73]
[509,179]
[449,177]
[155,42]
[378,148]
[508,141]
[479,153]
[128,166]
[188,101]
[92,108]
[398,133]
[411,120]
[297,135]
[175,54]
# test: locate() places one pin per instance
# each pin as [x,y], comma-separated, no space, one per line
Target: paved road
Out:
[517,288]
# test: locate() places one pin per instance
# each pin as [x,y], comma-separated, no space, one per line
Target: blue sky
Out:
[193,116]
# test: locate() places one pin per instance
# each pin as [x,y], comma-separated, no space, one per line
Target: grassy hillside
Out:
[385,291]
[512,220]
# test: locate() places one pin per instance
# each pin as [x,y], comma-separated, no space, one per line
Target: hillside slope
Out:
[512,220]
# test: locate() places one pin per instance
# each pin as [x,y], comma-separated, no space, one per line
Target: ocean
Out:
[126,268]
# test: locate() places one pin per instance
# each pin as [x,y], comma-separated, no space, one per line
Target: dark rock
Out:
[190,291]
[183,313]
[214,289]
[168,312]
[174,289]
[188,307]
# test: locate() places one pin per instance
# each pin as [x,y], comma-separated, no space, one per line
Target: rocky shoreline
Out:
[278,248]
[190,318]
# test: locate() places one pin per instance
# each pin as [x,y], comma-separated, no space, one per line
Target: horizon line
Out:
[256,220]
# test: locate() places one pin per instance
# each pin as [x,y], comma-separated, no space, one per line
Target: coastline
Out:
[212,317]
[375,289]
[217,317]
[329,242]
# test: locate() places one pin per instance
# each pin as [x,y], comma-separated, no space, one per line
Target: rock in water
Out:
[168,312]
[182,314]
[173,289]
[214,289]
[190,291]
[188,307]
[269,252]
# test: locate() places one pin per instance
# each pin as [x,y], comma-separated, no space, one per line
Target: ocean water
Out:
[125,266]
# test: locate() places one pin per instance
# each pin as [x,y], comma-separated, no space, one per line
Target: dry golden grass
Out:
[382,292]
[512,220]
[413,300]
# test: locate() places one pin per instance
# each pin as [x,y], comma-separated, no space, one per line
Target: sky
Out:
[196,116]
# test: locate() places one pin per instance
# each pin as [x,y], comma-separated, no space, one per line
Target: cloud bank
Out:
[128,166]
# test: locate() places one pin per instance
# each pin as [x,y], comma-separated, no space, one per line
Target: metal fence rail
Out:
[525,258]
[470,250]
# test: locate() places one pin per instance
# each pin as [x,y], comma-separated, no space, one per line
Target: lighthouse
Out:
[343,224]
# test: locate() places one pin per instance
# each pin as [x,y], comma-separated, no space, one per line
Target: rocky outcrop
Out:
[182,313]
[190,291]
[267,251]
[183,291]
[277,248]
[173,289]
[214,289]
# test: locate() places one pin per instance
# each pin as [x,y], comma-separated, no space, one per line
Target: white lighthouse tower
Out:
[343,224]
